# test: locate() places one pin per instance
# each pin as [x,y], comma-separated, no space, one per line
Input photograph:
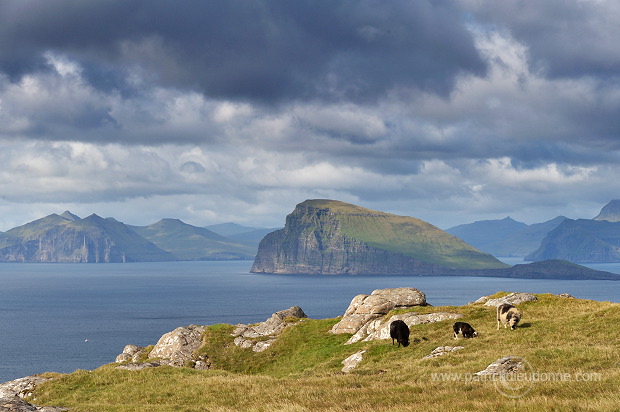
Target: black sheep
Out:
[399,331]
[464,329]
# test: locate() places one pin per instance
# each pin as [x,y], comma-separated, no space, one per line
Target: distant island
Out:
[505,237]
[579,241]
[330,237]
[67,238]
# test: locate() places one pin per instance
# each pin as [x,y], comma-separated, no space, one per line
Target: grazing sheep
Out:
[464,329]
[399,331]
[507,314]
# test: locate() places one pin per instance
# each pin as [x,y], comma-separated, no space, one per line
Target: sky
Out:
[235,111]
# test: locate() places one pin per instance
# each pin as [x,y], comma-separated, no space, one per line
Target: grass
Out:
[574,339]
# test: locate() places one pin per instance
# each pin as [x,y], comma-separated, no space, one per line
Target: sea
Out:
[63,317]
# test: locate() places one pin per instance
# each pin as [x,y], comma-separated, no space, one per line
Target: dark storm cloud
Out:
[261,50]
[565,38]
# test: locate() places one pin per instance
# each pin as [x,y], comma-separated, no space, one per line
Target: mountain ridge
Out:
[59,239]
[581,241]
[610,212]
[505,237]
[484,234]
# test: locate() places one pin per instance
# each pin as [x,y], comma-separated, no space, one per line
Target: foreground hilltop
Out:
[568,360]
[332,237]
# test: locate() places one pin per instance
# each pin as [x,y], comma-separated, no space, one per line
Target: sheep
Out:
[399,331]
[507,314]
[464,329]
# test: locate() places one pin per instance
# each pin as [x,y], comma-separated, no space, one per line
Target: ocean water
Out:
[63,317]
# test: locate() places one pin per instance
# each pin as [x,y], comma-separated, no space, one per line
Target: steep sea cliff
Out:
[332,237]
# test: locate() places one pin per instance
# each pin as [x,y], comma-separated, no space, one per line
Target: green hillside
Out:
[189,242]
[573,354]
[31,230]
[399,234]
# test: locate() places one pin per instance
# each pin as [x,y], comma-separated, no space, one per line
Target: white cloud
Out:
[63,65]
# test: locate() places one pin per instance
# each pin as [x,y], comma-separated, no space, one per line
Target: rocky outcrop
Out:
[366,308]
[22,387]
[442,350]
[261,335]
[365,317]
[331,237]
[514,298]
[565,295]
[352,361]
[13,392]
[17,404]
[131,353]
[177,348]
[502,366]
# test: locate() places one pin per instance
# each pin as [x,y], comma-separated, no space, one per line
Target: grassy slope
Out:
[407,235]
[189,242]
[301,371]
[31,230]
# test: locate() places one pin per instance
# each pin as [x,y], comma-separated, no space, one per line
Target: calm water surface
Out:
[62,317]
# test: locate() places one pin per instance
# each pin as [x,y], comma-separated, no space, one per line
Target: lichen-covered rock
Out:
[402,297]
[176,348]
[508,364]
[17,404]
[442,350]
[22,387]
[251,336]
[130,352]
[482,299]
[12,392]
[262,345]
[364,309]
[566,295]
[352,361]
[277,321]
[512,299]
